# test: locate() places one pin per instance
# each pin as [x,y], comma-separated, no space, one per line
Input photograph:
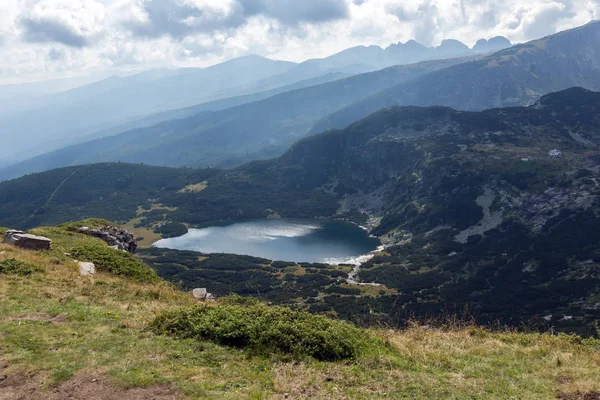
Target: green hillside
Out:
[475,213]
[109,337]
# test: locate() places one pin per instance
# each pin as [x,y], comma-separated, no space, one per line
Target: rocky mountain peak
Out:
[494,44]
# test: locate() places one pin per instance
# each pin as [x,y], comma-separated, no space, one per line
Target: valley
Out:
[470,205]
[299,200]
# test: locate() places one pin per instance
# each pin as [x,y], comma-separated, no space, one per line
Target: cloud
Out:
[545,19]
[293,12]
[72,23]
[51,38]
[424,21]
[179,18]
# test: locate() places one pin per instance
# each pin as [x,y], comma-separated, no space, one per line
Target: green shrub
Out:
[266,330]
[115,262]
[12,266]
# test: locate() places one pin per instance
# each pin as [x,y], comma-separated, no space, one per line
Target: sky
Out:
[47,39]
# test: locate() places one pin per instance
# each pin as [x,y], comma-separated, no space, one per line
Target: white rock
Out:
[200,293]
[86,268]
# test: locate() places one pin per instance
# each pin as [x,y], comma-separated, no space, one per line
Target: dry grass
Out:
[149,236]
[372,291]
[195,188]
[499,365]
[155,206]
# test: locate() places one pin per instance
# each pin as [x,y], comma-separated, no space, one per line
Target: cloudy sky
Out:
[42,39]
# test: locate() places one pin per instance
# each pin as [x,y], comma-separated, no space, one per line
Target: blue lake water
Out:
[281,239]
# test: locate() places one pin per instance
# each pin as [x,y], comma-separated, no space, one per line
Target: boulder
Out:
[86,268]
[200,294]
[27,241]
[114,236]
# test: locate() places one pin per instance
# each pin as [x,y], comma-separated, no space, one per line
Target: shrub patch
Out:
[12,266]
[266,330]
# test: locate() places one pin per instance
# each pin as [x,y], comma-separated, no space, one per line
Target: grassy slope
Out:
[58,326]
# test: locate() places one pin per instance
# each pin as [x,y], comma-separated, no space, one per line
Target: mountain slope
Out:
[515,76]
[52,160]
[68,116]
[68,336]
[474,209]
[264,129]
[228,137]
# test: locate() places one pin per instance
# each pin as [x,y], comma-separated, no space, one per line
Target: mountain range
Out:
[229,136]
[511,77]
[43,118]
[263,129]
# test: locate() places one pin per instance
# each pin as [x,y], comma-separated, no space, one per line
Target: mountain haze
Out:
[230,136]
[514,76]
[370,58]
[66,117]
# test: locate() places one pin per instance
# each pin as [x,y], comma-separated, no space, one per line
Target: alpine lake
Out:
[322,241]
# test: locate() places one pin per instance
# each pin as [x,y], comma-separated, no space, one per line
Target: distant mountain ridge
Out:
[263,129]
[511,77]
[230,136]
[66,117]
[367,58]
[116,100]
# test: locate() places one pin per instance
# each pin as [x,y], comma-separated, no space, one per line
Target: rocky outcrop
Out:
[114,236]
[491,219]
[27,241]
[86,268]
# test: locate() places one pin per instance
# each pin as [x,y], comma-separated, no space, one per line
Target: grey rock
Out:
[114,236]
[27,241]
[86,268]
[200,293]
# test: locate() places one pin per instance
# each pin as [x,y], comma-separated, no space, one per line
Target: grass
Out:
[93,223]
[149,236]
[104,329]
[68,245]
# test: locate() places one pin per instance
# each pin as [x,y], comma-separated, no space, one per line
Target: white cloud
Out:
[72,23]
[48,38]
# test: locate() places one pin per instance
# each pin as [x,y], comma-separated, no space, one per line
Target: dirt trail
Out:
[24,386]
[53,194]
